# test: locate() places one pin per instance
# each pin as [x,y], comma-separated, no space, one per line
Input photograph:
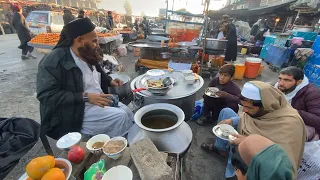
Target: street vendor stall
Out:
[45,42]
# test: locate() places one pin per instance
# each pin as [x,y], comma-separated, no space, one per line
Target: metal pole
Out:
[172,5]
[166,22]
[205,34]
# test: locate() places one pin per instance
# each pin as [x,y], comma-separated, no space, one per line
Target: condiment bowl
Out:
[187,72]
[190,79]
[118,154]
[97,138]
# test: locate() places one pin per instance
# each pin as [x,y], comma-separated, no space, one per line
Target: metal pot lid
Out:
[195,47]
[123,77]
[212,39]
[187,44]
[147,45]
[180,90]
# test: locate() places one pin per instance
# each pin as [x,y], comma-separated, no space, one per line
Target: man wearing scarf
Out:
[267,113]
[110,24]
[228,96]
[73,88]
[302,96]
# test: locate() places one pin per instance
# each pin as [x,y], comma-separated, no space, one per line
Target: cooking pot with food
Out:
[164,124]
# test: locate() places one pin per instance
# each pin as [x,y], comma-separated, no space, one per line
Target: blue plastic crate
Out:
[277,55]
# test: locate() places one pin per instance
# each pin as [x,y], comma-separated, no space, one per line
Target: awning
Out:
[313,4]
[250,12]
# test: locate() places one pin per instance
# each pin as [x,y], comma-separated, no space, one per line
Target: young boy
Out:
[239,165]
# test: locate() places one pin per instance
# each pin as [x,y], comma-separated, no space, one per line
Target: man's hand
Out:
[226,121]
[238,140]
[99,99]
[116,82]
[222,94]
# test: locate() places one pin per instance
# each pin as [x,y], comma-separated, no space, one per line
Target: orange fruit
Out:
[54,174]
[51,160]
[29,178]
[37,167]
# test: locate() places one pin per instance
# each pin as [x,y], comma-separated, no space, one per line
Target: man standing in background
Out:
[110,24]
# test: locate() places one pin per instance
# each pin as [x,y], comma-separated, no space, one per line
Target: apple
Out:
[76,154]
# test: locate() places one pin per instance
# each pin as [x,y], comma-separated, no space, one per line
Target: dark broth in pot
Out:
[159,119]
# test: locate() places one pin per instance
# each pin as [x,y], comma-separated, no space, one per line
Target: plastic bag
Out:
[122,50]
[198,110]
[310,165]
[96,171]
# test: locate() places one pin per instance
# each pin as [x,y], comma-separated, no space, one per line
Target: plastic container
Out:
[252,67]
[297,40]
[244,51]
[261,70]
[240,69]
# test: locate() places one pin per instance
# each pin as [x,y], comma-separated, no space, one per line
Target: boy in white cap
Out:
[267,113]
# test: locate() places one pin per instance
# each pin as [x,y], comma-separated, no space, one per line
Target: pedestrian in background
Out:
[19,23]
[67,16]
[81,13]
[110,24]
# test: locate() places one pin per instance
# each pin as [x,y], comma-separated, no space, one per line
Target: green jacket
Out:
[59,90]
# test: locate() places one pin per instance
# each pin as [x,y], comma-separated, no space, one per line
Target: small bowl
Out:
[118,172]
[97,138]
[118,154]
[190,79]
[226,129]
[187,72]
[66,142]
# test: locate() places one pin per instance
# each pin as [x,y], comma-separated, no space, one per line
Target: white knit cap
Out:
[250,91]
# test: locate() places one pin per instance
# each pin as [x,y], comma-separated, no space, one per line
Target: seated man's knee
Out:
[227,111]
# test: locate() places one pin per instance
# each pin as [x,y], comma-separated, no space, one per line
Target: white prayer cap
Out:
[250,91]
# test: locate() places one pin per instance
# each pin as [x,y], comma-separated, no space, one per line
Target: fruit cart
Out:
[44,43]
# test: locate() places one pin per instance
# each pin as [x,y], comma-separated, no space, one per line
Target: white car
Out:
[45,22]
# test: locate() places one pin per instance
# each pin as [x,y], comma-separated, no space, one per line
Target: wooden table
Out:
[78,170]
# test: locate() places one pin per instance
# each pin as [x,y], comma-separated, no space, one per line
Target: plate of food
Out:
[224,132]
[212,92]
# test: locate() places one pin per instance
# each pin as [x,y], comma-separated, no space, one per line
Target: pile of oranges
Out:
[46,38]
[106,34]
[43,168]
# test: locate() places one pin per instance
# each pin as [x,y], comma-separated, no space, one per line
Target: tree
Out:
[127,7]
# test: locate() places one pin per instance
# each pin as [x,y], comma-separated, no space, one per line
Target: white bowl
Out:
[118,173]
[97,138]
[187,72]
[69,140]
[119,154]
[155,73]
[226,129]
[61,163]
[190,79]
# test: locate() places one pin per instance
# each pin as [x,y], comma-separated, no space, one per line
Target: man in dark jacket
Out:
[24,34]
[303,96]
[73,88]
[81,13]
[67,16]
[109,21]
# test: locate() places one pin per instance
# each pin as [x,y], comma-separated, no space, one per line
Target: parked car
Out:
[45,22]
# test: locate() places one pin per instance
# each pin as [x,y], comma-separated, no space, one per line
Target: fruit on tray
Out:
[39,166]
[76,154]
[54,174]
[106,34]
[46,38]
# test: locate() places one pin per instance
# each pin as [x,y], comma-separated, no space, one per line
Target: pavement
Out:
[18,99]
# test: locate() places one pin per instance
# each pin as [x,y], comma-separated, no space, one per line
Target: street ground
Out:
[18,99]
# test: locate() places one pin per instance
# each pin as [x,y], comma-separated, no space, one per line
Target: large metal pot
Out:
[216,44]
[124,90]
[174,139]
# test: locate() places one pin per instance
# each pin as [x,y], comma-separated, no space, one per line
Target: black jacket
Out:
[68,17]
[59,90]
[19,24]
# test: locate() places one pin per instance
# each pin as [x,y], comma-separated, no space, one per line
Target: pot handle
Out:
[139,90]
[137,101]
